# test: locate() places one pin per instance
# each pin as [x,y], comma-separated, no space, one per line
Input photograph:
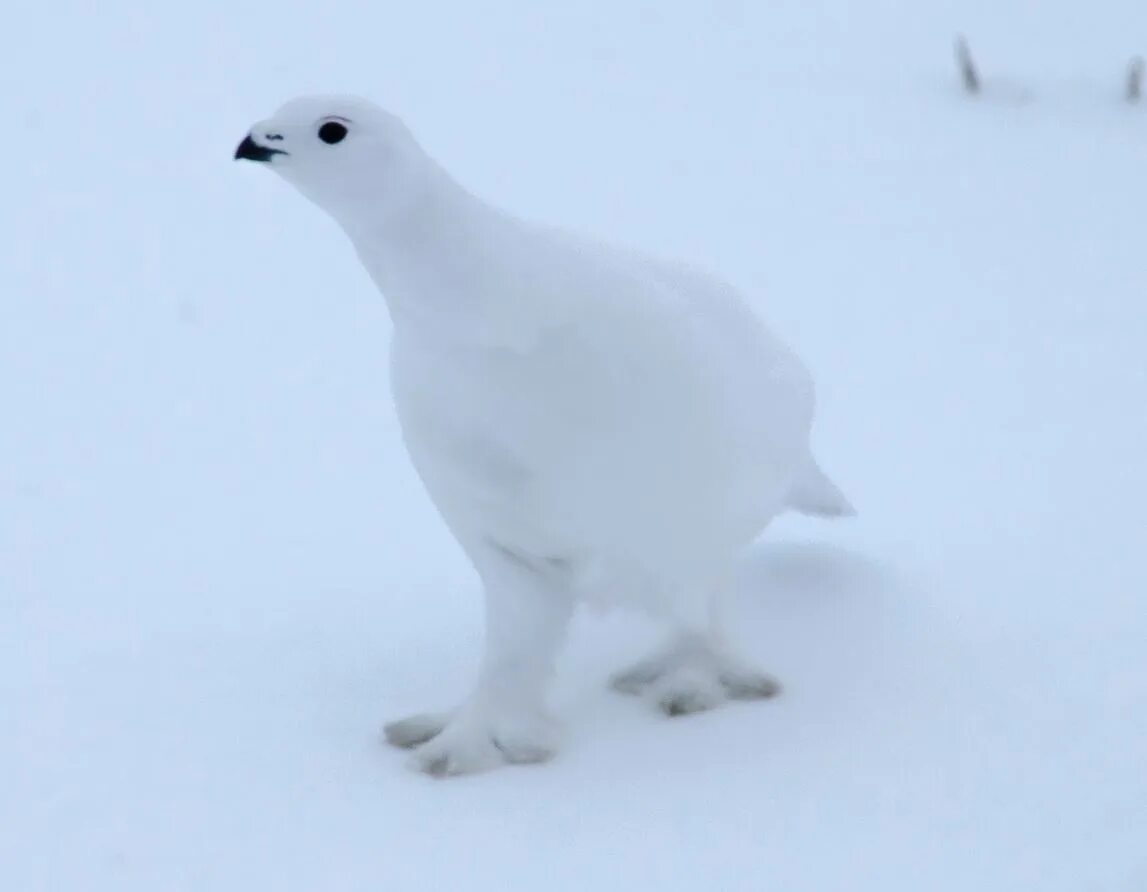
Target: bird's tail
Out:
[813,493]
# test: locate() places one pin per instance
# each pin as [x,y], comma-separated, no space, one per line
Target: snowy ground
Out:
[218,574]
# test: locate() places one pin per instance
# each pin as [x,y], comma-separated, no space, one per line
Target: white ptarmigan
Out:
[592,424]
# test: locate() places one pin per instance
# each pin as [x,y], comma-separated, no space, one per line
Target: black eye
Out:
[332,132]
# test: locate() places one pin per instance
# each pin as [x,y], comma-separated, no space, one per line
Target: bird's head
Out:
[345,154]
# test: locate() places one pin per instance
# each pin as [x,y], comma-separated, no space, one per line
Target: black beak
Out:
[252,151]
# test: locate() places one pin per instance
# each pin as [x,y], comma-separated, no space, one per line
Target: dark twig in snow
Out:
[967,66]
[1135,79]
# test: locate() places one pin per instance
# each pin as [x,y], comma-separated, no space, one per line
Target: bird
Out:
[593,424]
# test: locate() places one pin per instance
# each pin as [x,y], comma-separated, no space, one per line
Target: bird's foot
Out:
[473,740]
[692,676]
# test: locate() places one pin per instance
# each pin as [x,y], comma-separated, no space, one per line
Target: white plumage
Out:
[592,424]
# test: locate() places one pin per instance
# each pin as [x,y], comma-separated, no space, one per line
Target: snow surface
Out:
[218,573]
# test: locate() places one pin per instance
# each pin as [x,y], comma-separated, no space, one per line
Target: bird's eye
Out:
[332,132]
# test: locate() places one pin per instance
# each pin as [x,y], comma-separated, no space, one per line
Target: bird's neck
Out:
[451,266]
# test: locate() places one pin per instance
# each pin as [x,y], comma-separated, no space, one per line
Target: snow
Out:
[218,573]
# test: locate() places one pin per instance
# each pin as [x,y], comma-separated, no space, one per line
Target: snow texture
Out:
[219,574]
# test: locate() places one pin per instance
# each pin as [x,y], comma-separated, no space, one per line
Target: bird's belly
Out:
[569,452]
